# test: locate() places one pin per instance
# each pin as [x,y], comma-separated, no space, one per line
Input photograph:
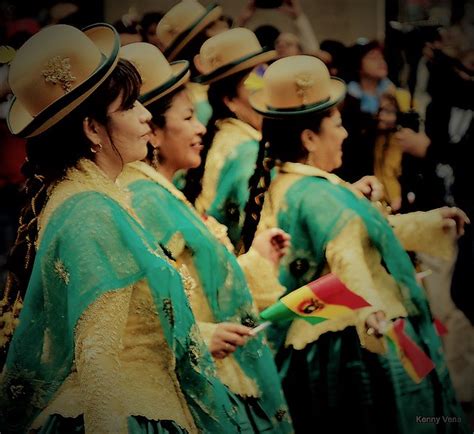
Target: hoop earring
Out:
[155,160]
[97,149]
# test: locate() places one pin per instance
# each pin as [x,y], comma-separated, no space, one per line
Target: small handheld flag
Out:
[320,300]
[416,363]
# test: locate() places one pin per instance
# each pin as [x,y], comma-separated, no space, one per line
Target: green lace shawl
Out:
[232,188]
[223,282]
[314,213]
[90,246]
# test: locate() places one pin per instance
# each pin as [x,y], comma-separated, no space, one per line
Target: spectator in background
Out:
[337,63]
[369,81]
[287,43]
[267,35]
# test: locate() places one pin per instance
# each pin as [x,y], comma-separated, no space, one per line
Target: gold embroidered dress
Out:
[107,341]
[229,165]
[221,292]
[331,372]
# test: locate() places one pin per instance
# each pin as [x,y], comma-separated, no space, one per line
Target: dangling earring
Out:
[97,148]
[155,160]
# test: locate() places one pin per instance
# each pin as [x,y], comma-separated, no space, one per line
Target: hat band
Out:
[145,98]
[181,37]
[301,107]
[224,68]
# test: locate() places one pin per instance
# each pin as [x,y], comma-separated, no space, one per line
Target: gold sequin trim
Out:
[168,310]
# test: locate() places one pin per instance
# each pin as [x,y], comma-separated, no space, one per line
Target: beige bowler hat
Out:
[159,77]
[182,23]
[297,85]
[55,70]
[229,52]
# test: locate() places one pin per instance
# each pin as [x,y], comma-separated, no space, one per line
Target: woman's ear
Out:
[157,137]
[229,104]
[309,140]
[92,130]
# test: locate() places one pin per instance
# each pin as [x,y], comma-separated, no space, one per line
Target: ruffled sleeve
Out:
[423,232]
[346,258]
[262,278]
[98,343]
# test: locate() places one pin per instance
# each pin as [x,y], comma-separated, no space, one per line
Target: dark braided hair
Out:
[49,156]
[281,142]
[227,87]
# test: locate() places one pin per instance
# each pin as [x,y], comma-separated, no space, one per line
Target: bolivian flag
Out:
[320,300]
[416,363]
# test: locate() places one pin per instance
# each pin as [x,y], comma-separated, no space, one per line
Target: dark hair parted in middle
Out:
[218,91]
[49,156]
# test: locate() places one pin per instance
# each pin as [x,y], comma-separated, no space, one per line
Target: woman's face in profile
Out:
[327,154]
[180,141]
[129,130]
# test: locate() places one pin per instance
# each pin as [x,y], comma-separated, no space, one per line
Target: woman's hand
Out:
[376,324]
[227,337]
[272,244]
[370,187]
[454,217]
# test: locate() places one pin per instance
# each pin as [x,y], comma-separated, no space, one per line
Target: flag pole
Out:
[260,327]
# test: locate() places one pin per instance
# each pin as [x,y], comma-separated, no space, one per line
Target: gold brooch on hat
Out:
[303,83]
[58,71]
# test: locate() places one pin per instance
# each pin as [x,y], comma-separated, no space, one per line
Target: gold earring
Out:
[96,149]
[155,160]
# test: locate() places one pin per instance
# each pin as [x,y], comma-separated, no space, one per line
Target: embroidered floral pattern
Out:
[58,71]
[168,310]
[188,281]
[280,415]
[61,271]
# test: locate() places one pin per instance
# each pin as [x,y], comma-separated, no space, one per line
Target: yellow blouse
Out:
[355,260]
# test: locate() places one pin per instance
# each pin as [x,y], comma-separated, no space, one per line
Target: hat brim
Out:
[213,12]
[179,77]
[337,93]
[20,121]
[247,62]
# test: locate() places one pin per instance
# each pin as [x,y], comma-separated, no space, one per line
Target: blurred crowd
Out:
[408,112]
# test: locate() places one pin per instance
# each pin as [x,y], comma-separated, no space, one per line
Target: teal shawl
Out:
[232,188]
[314,213]
[222,280]
[90,246]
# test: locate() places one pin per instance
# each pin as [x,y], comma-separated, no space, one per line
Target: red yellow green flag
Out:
[416,363]
[320,300]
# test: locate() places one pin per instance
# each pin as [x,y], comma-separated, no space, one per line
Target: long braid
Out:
[258,185]
[22,255]
[277,137]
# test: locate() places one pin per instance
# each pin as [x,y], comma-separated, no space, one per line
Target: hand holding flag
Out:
[320,300]
[416,363]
